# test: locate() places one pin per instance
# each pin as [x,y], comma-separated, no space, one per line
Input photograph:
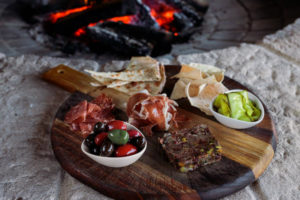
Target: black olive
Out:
[95,150]
[100,127]
[139,142]
[106,148]
[89,140]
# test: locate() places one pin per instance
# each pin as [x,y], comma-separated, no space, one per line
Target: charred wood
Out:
[69,24]
[181,22]
[188,10]
[200,5]
[145,19]
[161,40]
[118,42]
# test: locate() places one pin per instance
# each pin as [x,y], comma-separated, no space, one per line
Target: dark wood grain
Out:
[246,155]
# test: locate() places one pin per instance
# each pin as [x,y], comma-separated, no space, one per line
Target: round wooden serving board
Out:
[246,153]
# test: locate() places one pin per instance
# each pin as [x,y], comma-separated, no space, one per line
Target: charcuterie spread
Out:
[160,131]
[150,111]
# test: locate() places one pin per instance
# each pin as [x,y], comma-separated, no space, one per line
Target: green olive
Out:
[118,136]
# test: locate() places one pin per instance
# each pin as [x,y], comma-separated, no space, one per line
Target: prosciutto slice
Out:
[146,111]
[85,115]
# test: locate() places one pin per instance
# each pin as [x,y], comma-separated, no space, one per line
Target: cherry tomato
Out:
[100,138]
[134,133]
[126,150]
[117,124]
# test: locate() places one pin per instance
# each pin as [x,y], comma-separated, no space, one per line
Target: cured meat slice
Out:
[85,115]
[77,113]
[146,111]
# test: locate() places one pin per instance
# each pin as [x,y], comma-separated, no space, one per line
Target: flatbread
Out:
[179,88]
[138,75]
[153,87]
[200,84]
[209,70]
[109,82]
[139,69]
[189,72]
[206,93]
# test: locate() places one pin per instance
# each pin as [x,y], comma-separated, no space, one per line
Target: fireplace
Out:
[126,27]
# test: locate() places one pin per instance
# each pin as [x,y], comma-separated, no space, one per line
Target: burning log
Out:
[139,32]
[145,19]
[182,22]
[188,10]
[132,27]
[74,19]
[118,41]
[161,40]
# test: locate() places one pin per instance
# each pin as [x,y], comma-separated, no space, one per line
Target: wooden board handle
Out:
[70,79]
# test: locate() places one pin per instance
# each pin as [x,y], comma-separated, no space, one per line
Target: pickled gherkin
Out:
[237,105]
[221,103]
[237,108]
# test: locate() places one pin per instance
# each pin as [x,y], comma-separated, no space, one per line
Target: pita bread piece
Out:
[153,87]
[109,82]
[202,96]
[189,72]
[209,70]
[139,69]
[180,86]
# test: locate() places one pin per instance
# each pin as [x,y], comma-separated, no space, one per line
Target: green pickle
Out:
[221,103]
[237,105]
[246,102]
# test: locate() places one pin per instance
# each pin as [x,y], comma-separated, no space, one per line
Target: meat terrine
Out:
[189,149]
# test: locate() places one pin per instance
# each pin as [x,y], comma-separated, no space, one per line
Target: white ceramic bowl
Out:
[115,161]
[235,123]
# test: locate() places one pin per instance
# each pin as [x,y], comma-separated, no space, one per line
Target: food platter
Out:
[246,152]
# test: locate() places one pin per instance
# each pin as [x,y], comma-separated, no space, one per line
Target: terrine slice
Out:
[189,149]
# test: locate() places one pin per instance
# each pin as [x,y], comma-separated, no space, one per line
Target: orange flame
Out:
[79,32]
[125,19]
[55,16]
[162,13]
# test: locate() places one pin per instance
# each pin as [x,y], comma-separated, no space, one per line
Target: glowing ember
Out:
[79,32]
[55,16]
[161,12]
[125,19]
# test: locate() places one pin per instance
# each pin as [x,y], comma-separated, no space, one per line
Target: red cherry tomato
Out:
[117,124]
[134,133]
[126,150]
[100,138]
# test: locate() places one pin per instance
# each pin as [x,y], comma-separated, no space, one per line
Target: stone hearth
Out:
[227,23]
